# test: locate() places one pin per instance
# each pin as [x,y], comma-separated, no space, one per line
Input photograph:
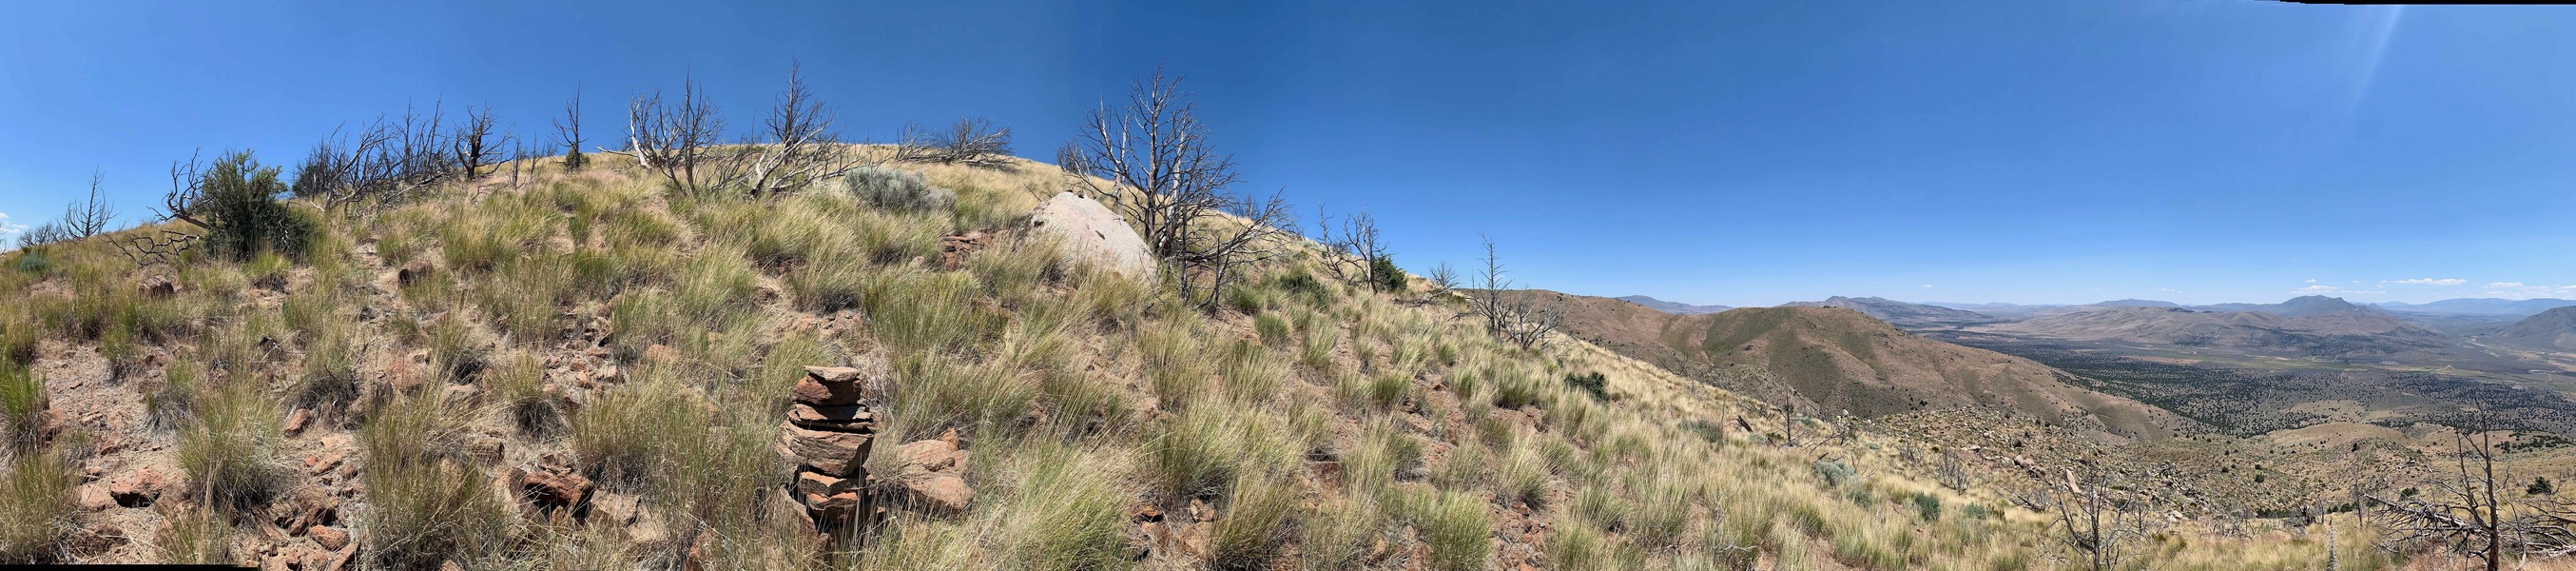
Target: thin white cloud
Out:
[2327,289]
[2498,285]
[2168,290]
[1927,285]
[7,229]
[2312,280]
[2427,281]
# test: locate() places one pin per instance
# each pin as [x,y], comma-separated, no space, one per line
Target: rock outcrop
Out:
[1093,234]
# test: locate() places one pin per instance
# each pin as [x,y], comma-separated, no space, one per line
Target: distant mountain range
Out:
[1902,314]
[2312,325]
[2552,329]
[1672,307]
[2481,306]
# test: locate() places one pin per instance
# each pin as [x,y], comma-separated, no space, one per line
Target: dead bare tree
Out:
[1350,253]
[1444,279]
[1151,161]
[2469,517]
[972,141]
[1519,318]
[677,141]
[477,144]
[1953,472]
[89,216]
[796,148]
[568,133]
[2098,521]
[384,164]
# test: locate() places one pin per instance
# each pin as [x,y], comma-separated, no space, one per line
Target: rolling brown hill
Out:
[2553,329]
[1833,359]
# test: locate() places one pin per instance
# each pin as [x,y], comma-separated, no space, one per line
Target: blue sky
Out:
[1733,153]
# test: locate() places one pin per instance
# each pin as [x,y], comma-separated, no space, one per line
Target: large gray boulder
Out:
[1094,235]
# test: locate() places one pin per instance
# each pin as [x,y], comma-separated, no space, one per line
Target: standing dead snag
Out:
[1352,255]
[1522,320]
[971,141]
[2471,515]
[796,147]
[476,144]
[2100,522]
[1150,160]
[568,133]
[676,141]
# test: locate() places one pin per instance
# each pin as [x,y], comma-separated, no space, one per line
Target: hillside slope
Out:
[2552,329]
[1840,360]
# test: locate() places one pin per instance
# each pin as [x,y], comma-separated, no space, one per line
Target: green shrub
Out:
[896,190]
[33,261]
[1834,472]
[1591,383]
[1389,277]
[1928,507]
[238,203]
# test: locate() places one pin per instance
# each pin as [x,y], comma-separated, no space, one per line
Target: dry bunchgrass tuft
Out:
[35,505]
[231,452]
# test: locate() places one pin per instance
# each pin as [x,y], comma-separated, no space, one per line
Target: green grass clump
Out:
[626,435]
[231,452]
[1458,531]
[1256,523]
[422,515]
[1203,450]
[1069,512]
[22,405]
[35,505]
[1273,329]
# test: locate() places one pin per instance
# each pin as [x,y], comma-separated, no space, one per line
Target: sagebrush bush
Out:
[896,190]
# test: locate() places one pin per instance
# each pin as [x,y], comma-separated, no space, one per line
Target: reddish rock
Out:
[295,422]
[833,508]
[810,392]
[836,375]
[556,489]
[838,454]
[138,489]
[324,463]
[94,497]
[953,250]
[819,484]
[933,476]
[848,418]
[1328,473]
[939,493]
[330,538]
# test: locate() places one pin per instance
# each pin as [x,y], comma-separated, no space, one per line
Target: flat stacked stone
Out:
[827,435]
